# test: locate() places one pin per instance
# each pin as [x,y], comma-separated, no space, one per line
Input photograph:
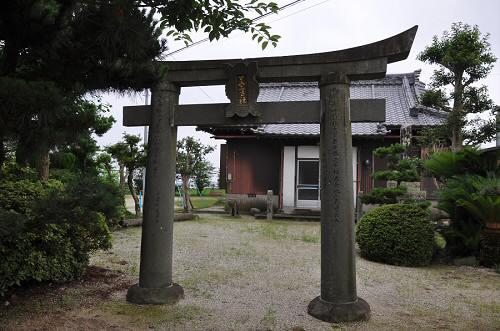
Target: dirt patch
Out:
[242,274]
[50,306]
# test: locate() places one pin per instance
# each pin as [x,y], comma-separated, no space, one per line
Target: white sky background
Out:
[320,26]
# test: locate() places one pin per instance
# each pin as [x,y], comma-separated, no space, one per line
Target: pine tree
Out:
[399,169]
[54,52]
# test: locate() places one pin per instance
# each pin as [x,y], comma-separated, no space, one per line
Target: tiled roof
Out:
[401,92]
[358,129]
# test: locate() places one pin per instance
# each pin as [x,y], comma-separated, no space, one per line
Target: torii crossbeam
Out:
[334,112]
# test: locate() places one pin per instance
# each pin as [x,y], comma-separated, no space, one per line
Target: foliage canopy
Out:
[464,57]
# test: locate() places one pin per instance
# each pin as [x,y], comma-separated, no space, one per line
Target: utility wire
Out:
[293,3]
[299,11]
[201,89]
[255,19]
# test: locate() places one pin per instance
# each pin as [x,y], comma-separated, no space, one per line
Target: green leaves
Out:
[53,241]
[445,165]
[435,98]
[399,234]
[464,57]
[191,156]
[217,18]
[192,162]
[463,49]
[478,195]
[128,152]
[400,169]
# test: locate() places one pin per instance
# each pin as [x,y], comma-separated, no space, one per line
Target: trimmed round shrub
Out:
[399,234]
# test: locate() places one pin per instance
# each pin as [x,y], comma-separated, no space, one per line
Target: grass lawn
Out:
[200,202]
[243,274]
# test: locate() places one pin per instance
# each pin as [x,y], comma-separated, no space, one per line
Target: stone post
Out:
[155,277]
[338,301]
[269,207]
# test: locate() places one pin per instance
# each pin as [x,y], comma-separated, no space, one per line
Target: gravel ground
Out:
[242,274]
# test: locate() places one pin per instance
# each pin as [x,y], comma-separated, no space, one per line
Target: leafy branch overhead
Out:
[217,18]
[53,53]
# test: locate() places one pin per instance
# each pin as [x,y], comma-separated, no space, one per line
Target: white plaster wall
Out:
[308,152]
[311,152]
[288,177]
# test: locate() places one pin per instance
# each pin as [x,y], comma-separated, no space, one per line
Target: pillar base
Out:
[155,296]
[358,310]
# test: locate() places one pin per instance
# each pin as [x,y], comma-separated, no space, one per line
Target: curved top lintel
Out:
[395,48]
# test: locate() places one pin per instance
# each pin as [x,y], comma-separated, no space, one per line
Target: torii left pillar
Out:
[155,277]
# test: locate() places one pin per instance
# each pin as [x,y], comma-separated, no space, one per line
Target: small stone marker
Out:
[269,211]
[233,205]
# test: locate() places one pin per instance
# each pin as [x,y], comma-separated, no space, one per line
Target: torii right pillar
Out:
[338,301]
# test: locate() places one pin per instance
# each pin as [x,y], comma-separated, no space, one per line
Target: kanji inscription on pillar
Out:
[242,90]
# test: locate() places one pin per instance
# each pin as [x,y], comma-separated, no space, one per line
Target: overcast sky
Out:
[319,26]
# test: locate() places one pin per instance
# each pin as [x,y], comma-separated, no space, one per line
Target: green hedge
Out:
[49,252]
[399,234]
[49,230]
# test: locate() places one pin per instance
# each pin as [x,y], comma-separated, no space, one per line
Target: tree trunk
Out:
[43,163]
[2,155]
[122,176]
[130,182]
[456,141]
[108,170]
[456,116]
[187,199]
[10,57]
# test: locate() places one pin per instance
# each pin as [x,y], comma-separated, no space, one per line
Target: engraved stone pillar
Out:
[155,278]
[338,301]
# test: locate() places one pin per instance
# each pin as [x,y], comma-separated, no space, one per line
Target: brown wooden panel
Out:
[223,167]
[254,167]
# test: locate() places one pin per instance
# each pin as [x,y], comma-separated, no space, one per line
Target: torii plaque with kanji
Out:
[338,301]
[242,90]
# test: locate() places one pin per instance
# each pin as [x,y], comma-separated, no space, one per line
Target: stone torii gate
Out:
[338,301]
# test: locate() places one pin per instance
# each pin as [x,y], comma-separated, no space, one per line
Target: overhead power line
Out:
[291,4]
[255,19]
[300,11]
